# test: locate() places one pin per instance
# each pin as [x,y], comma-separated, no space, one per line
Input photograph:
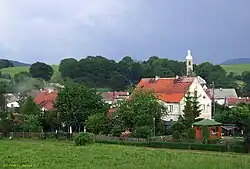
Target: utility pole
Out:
[213,100]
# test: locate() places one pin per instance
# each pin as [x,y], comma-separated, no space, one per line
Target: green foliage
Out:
[96,123]
[4,63]
[21,77]
[82,139]
[143,109]
[41,70]
[176,135]
[32,123]
[142,132]
[117,131]
[77,102]
[191,109]
[178,126]
[30,107]
[50,121]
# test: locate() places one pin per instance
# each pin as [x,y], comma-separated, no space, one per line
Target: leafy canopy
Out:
[142,109]
[75,103]
[41,70]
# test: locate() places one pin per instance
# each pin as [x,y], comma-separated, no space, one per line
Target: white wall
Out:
[220,101]
[13,105]
[173,110]
[204,100]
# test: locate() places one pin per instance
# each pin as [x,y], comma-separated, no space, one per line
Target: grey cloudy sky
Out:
[49,30]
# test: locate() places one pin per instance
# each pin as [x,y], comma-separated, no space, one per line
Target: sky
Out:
[48,31]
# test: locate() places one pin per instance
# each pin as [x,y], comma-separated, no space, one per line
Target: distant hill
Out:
[17,63]
[237,61]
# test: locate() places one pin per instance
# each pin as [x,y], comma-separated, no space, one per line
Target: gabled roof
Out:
[170,90]
[223,93]
[207,122]
[46,99]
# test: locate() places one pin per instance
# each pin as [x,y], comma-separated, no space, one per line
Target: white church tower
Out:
[189,64]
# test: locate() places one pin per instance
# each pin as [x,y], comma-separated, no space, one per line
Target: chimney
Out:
[176,77]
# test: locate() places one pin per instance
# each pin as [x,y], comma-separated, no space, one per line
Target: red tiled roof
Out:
[235,101]
[46,99]
[170,90]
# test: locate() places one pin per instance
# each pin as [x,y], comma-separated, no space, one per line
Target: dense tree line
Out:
[101,72]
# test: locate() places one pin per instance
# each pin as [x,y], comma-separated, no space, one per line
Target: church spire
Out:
[189,63]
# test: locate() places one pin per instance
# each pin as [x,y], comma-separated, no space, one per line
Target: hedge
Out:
[178,145]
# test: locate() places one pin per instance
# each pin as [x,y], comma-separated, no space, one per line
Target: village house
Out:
[221,95]
[232,102]
[45,99]
[172,91]
[12,100]
[112,98]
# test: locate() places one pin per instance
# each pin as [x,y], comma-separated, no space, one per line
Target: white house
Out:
[12,100]
[171,92]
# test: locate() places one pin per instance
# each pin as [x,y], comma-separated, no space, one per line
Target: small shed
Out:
[207,129]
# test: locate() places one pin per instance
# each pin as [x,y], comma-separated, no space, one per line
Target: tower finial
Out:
[189,52]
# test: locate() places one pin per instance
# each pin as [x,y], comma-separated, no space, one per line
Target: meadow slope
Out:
[64,155]
[238,69]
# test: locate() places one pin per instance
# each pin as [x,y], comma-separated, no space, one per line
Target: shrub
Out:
[184,135]
[176,135]
[178,126]
[117,131]
[82,139]
[142,132]
[190,133]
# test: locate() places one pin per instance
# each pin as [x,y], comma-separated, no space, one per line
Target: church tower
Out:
[189,64]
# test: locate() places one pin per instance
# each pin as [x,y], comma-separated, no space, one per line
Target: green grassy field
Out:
[238,69]
[14,70]
[64,155]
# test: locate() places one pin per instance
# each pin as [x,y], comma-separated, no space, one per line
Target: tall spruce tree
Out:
[188,111]
[191,109]
[195,105]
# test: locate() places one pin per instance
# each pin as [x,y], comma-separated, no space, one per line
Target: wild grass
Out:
[237,69]
[64,155]
[14,70]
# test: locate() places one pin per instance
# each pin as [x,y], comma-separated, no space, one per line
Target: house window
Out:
[170,108]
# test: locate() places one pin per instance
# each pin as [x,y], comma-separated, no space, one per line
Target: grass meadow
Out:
[14,70]
[238,69]
[65,155]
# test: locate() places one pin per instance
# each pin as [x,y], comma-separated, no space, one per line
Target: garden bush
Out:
[117,131]
[142,132]
[176,135]
[82,139]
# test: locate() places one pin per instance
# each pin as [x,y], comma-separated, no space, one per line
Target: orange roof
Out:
[46,99]
[170,90]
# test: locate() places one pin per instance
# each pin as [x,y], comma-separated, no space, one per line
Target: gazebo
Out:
[207,129]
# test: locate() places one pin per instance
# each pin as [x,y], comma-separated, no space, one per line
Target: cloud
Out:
[48,31]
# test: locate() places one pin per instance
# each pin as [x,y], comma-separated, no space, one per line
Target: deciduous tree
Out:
[142,109]
[41,70]
[76,103]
